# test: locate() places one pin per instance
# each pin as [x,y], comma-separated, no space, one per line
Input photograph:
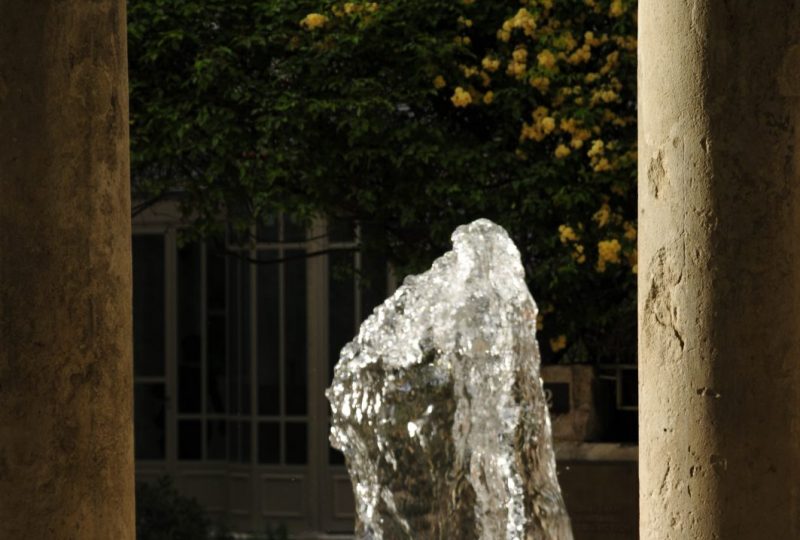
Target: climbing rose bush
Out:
[409,117]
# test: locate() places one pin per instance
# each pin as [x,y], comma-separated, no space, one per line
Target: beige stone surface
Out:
[719,269]
[66,438]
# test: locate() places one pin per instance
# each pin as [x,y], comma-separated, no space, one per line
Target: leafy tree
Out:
[409,117]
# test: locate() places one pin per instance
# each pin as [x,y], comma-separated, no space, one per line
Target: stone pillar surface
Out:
[719,269]
[66,434]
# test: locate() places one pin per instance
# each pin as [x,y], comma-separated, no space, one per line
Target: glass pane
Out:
[373,283]
[233,332]
[244,428]
[341,307]
[234,320]
[340,231]
[268,229]
[233,441]
[189,341]
[215,279]
[269,442]
[268,335]
[190,439]
[246,321]
[335,457]
[148,304]
[215,372]
[296,443]
[148,420]
[293,231]
[216,439]
[295,379]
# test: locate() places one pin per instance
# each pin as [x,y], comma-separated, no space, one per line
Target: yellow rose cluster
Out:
[460,97]
[313,21]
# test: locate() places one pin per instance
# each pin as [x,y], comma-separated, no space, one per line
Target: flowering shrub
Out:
[411,117]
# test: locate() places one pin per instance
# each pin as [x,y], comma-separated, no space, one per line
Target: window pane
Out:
[233,441]
[335,457]
[189,342]
[296,443]
[269,442]
[244,429]
[341,307]
[149,399]
[268,229]
[215,278]
[190,439]
[246,321]
[268,335]
[293,231]
[148,304]
[216,439]
[340,231]
[295,326]
[234,335]
[215,373]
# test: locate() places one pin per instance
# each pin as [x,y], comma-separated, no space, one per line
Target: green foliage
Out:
[410,117]
[164,514]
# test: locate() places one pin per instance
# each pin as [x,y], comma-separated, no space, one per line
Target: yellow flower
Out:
[566,234]
[540,83]
[485,79]
[633,258]
[503,35]
[591,77]
[568,125]
[548,124]
[531,132]
[539,112]
[616,8]
[539,321]
[562,151]
[596,149]
[602,165]
[602,216]
[350,8]
[520,55]
[468,71]
[461,97]
[515,69]
[490,64]
[607,252]
[559,343]
[313,20]
[372,7]
[582,54]
[439,82]
[546,59]
[577,254]
[488,97]
[465,22]
[630,230]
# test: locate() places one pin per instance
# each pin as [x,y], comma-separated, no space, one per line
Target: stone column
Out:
[719,271]
[66,435]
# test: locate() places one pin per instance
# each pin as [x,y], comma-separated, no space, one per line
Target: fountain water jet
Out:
[438,406]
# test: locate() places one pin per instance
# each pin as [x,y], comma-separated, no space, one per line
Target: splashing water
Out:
[438,406]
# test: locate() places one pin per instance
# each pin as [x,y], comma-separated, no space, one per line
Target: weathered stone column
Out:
[66,436]
[719,271]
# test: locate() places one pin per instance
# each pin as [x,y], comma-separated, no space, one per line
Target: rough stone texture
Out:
[438,406]
[719,270]
[66,436]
